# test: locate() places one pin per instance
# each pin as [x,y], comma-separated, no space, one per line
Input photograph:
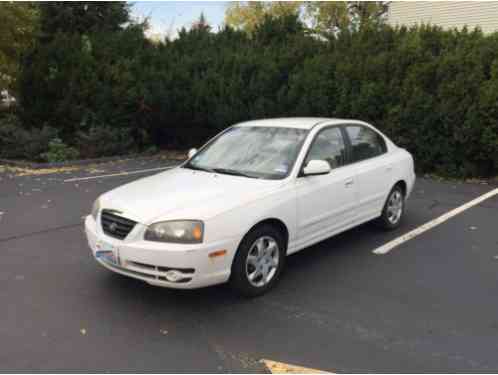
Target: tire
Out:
[393,210]
[266,248]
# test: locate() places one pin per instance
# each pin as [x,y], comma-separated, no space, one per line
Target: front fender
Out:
[280,205]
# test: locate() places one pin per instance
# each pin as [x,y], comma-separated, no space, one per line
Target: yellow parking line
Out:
[285,368]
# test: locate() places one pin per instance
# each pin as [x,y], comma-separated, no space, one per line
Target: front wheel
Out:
[259,261]
[393,209]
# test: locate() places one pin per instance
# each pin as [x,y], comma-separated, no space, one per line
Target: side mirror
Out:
[316,167]
[192,152]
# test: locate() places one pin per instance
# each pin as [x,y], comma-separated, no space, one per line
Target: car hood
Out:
[182,193]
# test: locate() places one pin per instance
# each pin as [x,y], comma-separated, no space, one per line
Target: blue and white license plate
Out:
[107,252]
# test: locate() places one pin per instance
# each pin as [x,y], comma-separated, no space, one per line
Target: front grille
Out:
[131,272]
[116,226]
[150,267]
[155,271]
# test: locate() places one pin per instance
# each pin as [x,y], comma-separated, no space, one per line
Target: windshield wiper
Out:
[232,172]
[197,168]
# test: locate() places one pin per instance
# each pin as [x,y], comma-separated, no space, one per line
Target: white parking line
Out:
[384,249]
[117,174]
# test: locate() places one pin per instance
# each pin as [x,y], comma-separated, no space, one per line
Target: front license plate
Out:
[107,252]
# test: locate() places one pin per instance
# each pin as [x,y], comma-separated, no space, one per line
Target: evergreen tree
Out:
[82,17]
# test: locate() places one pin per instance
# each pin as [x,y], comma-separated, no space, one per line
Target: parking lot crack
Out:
[24,235]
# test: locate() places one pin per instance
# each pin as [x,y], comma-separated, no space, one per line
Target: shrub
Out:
[103,140]
[19,143]
[58,151]
[12,137]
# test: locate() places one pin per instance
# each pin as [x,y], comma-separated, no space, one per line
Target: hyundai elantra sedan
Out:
[255,193]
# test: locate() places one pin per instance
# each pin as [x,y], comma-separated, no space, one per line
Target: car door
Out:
[373,169]
[324,202]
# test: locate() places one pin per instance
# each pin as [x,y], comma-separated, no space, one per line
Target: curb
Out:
[34,165]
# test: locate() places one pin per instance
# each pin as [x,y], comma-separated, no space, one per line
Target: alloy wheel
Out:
[395,207]
[262,261]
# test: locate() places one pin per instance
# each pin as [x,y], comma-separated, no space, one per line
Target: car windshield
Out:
[258,152]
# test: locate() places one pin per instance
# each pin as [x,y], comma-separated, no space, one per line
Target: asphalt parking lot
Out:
[429,305]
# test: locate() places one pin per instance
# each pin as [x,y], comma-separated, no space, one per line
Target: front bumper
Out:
[149,261]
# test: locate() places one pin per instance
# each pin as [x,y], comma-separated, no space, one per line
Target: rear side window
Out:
[365,142]
[329,146]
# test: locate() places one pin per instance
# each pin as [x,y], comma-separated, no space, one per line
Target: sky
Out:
[166,17]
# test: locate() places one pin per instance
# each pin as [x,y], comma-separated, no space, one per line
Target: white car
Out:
[258,191]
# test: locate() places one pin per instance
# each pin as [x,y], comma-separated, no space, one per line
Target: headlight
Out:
[184,231]
[95,209]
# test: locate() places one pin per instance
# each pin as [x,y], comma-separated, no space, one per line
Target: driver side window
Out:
[328,145]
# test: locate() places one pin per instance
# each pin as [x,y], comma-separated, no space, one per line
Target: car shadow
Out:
[303,270]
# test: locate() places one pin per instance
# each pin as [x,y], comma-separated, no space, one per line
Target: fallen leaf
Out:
[42,171]
[473,228]
[163,331]
[95,170]
[83,331]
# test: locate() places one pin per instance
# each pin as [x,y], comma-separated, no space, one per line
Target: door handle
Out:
[349,182]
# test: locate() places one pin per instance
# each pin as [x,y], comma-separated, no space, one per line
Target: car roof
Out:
[293,122]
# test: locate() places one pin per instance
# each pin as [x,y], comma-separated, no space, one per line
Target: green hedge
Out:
[434,92]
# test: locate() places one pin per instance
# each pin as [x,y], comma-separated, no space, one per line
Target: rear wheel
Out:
[259,261]
[393,209]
